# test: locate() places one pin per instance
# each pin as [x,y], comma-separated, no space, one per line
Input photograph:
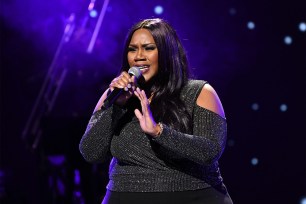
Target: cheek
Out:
[155,58]
[130,60]
[155,55]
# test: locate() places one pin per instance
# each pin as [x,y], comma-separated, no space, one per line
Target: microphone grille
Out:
[135,71]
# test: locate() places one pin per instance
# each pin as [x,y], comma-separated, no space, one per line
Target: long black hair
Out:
[172,76]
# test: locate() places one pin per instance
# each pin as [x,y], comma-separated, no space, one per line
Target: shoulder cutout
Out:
[210,100]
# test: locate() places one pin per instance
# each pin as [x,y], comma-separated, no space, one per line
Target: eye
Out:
[150,48]
[131,49]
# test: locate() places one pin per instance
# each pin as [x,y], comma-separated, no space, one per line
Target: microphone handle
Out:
[111,98]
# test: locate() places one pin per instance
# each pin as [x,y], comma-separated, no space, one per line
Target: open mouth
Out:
[143,67]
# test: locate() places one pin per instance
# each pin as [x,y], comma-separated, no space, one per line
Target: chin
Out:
[148,78]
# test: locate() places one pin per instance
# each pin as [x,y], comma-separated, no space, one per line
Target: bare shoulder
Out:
[210,100]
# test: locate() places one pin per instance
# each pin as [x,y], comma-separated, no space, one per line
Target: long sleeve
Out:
[95,143]
[174,161]
[206,144]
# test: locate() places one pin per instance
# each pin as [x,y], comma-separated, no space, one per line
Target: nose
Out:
[140,55]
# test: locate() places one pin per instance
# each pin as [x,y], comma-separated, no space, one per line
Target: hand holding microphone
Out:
[122,87]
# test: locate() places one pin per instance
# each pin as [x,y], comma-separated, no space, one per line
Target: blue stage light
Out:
[288,40]
[254,161]
[255,106]
[251,25]
[302,26]
[283,107]
[93,13]
[158,10]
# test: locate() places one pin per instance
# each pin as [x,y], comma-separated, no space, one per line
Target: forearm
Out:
[204,147]
[95,143]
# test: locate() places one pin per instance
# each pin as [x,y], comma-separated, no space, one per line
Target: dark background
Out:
[253,71]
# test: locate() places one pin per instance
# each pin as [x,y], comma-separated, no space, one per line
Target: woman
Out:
[165,133]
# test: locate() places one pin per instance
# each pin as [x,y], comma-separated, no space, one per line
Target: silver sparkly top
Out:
[175,161]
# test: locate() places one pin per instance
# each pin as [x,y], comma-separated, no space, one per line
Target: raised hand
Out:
[146,120]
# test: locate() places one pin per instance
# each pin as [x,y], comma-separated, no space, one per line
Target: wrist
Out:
[159,130]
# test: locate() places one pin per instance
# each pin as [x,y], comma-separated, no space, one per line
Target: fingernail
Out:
[129,86]
[126,88]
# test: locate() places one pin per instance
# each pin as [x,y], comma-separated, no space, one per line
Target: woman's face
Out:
[142,52]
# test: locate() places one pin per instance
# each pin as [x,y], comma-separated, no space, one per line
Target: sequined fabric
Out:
[173,162]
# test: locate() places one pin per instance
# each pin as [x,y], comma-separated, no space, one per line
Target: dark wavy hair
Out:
[172,76]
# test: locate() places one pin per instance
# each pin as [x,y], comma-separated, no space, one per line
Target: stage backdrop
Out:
[58,56]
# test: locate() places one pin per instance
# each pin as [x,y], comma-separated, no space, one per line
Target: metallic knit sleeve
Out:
[95,143]
[206,144]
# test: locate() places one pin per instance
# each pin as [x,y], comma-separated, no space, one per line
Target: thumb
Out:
[138,114]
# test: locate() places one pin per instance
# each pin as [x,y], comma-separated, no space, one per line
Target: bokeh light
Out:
[254,161]
[302,26]
[251,25]
[93,13]
[158,10]
[255,106]
[283,107]
[288,40]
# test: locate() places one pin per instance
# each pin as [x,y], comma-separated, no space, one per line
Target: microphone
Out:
[111,98]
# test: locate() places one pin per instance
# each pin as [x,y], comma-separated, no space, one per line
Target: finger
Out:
[115,84]
[138,114]
[122,82]
[123,79]
[111,87]
[141,99]
[133,80]
[131,84]
[131,92]
[139,94]
[125,75]
[144,103]
[144,96]
[136,93]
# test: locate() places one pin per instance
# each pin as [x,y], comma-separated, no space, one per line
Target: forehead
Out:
[142,36]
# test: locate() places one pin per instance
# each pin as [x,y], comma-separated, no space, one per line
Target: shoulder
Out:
[193,87]
[190,93]
[209,99]
[193,83]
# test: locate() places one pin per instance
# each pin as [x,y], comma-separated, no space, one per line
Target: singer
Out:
[165,132]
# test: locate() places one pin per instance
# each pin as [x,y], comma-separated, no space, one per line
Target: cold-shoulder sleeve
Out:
[95,143]
[206,144]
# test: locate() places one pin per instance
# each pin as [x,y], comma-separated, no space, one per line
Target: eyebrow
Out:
[143,45]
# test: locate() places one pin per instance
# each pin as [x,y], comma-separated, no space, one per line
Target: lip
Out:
[142,66]
[144,69]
